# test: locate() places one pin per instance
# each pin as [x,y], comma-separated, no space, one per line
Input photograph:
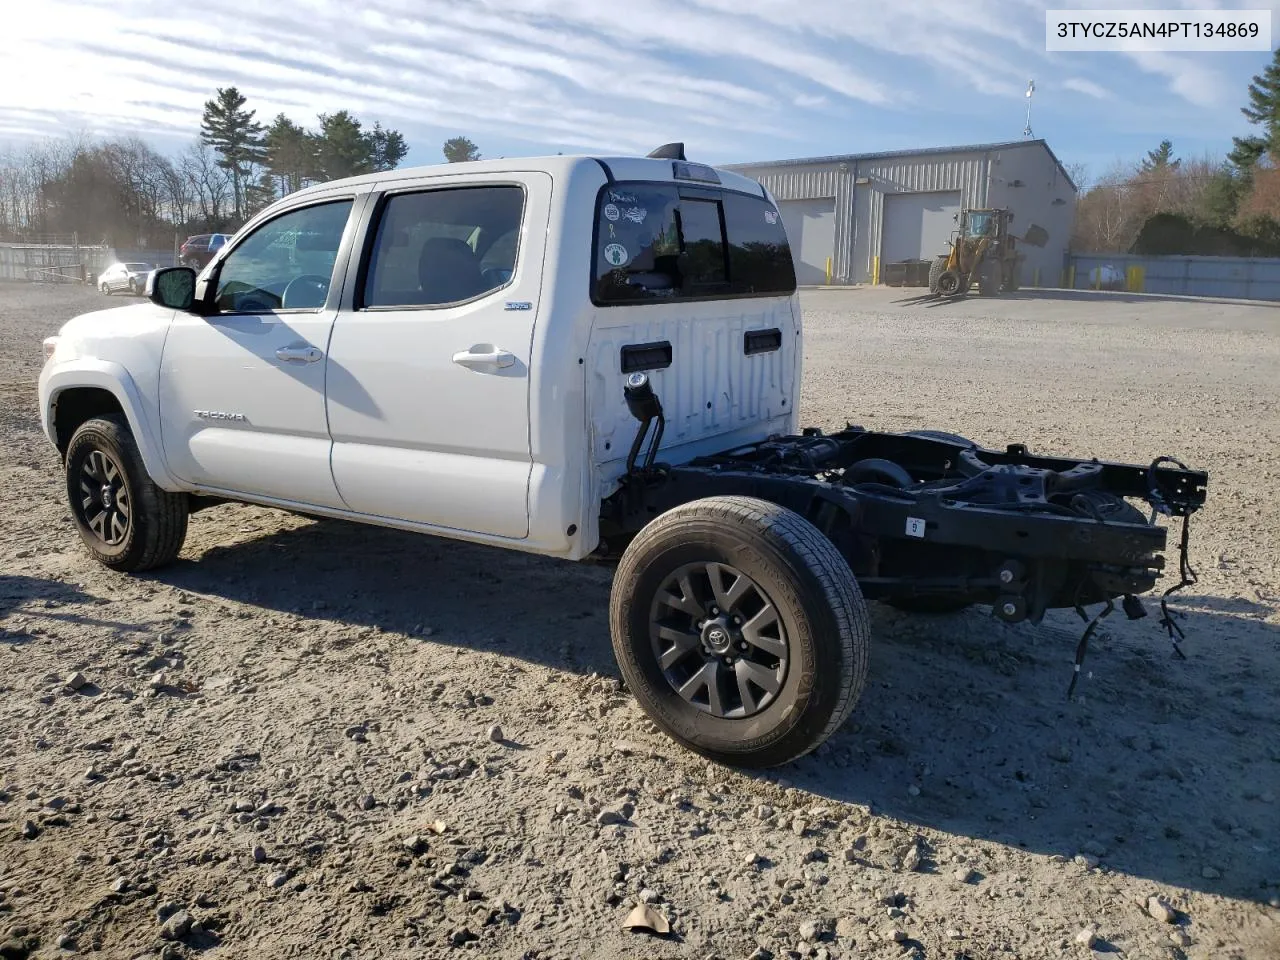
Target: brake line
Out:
[1082,647]
[1185,571]
[1189,578]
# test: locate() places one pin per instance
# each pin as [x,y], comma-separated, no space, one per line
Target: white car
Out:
[125,277]
[579,357]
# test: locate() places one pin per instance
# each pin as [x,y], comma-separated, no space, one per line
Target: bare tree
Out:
[210,184]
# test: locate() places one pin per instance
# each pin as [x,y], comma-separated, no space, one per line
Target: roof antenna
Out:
[669,151]
[1031,88]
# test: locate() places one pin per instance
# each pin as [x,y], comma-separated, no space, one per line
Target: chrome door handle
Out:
[485,358]
[299,354]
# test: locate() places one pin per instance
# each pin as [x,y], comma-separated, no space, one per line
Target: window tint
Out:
[657,241]
[703,238]
[444,246]
[286,264]
[759,255]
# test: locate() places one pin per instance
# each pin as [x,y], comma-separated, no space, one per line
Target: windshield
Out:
[980,224]
[664,241]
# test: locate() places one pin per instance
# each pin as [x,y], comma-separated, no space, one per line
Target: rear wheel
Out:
[125,520]
[740,629]
[105,288]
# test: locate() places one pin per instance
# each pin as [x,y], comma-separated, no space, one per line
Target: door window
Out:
[442,247]
[286,264]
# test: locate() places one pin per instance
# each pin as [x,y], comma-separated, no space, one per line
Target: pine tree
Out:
[342,149]
[289,155]
[460,150]
[1160,160]
[386,148]
[232,132]
[1264,104]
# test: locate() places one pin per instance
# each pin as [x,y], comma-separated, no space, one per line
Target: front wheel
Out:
[126,521]
[740,629]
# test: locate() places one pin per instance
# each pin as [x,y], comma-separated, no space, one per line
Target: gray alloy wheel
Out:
[103,505]
[719,640]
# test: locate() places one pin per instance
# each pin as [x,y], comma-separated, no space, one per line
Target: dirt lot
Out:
[285,739]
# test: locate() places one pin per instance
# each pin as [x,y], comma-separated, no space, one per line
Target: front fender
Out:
[115,379]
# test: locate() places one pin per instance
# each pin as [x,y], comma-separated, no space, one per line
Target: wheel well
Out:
[78,404]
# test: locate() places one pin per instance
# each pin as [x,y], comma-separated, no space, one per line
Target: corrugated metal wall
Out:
[964,172]
[1235,278]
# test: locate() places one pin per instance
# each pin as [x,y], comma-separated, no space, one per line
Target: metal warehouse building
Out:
[850,217]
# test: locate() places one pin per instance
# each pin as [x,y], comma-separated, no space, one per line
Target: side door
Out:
[428,386]
[242,404]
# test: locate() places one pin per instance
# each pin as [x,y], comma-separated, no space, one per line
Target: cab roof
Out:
[621,168]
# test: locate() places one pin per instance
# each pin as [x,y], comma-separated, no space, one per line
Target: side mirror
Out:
[172,287]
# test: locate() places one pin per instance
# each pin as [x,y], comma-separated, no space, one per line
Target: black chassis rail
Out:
[991,535]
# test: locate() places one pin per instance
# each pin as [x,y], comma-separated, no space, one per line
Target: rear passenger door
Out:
[428,371]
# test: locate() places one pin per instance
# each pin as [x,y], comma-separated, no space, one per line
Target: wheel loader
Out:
[982,251]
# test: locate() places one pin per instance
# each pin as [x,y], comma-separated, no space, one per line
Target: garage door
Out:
[811,230]
[917,226]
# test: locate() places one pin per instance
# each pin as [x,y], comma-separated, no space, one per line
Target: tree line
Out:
[1198,206]
[121,191]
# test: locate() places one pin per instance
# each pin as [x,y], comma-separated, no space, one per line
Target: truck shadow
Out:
[39,599]
[1170,768]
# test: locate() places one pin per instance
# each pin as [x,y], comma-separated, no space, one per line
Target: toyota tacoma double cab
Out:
[584,358]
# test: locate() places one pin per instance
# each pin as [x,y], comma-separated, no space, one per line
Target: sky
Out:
[736,80]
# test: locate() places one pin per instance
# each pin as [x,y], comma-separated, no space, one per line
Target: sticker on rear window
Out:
[770,216]
[635,214]
[616,254]
[915,527]
[611,212]
[619,197]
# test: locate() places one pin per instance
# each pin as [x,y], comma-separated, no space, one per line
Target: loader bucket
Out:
[1036,236]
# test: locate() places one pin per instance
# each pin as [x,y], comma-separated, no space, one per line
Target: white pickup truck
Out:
[583,358]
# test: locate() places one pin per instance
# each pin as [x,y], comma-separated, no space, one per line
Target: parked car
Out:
[582,358]
[197,251]
[125,278]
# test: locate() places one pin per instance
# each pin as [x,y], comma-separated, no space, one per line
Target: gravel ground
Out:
[313,739]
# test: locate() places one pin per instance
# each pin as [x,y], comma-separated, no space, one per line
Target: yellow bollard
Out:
[1035,277]
[1071,277]
[1134,279]
[875,271]
[828,271]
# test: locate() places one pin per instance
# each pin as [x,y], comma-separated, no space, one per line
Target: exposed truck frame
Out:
[933,521]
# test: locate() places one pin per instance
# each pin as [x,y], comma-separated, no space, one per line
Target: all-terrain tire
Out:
[822,620]
[935,271]
[156,523]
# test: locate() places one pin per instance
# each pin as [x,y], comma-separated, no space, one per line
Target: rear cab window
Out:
[675,242]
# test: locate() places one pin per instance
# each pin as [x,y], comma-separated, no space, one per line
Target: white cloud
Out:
[1189,77]
[730,77]
[809,101]
[1087,87]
